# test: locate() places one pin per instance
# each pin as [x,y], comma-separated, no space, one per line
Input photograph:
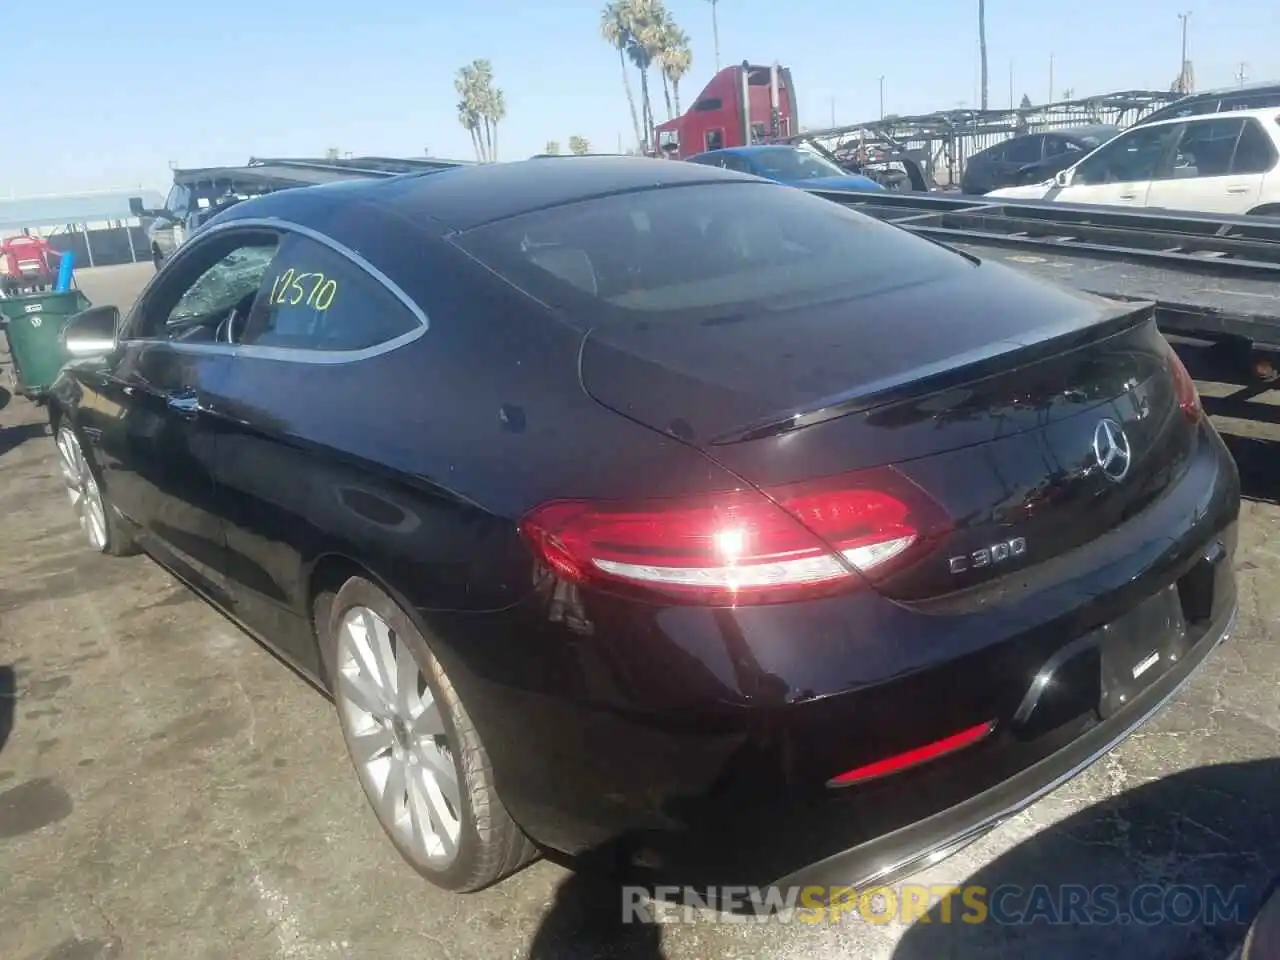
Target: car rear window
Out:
[706,249]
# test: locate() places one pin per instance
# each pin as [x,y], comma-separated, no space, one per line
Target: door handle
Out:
[185,405]
[1238,189]
[1128,196]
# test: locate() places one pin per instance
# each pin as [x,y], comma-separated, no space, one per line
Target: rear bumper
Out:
[922,844]
[699,741]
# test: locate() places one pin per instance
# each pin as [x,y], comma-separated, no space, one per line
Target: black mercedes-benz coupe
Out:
[645,509]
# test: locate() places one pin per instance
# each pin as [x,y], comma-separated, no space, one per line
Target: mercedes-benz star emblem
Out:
[1111,448]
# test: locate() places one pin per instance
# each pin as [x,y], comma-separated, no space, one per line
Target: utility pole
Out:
[715,31]
[833,110]
[1242,74]
[1050,100]
[1010,84]
[882,98]
[1182,64]
[982,47]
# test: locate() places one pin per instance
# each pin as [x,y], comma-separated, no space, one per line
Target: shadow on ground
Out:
[1209,832]
[13,437]
[1145,868]
[1257,450]
[8,701]
[1258,461]
[585,922]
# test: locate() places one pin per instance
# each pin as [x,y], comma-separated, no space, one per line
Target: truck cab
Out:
[185,208]
[742,105]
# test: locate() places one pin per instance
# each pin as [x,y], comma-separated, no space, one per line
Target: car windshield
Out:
[702,252]
[794,165]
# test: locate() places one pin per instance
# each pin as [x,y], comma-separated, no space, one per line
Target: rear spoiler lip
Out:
[976,364]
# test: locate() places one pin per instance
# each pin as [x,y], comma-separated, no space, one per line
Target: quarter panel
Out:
[418,463]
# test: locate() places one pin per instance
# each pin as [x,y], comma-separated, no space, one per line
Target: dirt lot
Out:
[167,789]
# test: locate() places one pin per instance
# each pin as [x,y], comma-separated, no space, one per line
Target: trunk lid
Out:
[999,401]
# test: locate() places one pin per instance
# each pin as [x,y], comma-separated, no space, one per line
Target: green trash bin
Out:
[33,324]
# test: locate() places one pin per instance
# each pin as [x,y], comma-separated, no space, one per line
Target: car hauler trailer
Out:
[1211,277]
[934,148]
[199,193]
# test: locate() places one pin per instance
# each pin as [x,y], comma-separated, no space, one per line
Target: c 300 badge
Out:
[989,556]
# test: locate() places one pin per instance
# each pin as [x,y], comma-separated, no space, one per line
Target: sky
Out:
[125,88]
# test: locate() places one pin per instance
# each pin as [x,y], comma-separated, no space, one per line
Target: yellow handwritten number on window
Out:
[292,288]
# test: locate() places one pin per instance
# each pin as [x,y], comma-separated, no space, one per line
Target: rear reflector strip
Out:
[914,757]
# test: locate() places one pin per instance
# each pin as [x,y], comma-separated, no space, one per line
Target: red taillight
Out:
[1184,387]
[914,757]
[739,546]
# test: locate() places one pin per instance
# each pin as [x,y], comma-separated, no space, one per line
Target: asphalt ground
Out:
[169,790]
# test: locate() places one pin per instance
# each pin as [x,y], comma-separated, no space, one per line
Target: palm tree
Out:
[982,47]
[552,147]
[468,118]
[466,83]
[482,107]
[675,59]
[613,28]
[482,70]
[645,21]
[579,145]
[495,112]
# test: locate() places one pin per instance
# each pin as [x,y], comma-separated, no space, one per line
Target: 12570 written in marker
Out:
[293,288]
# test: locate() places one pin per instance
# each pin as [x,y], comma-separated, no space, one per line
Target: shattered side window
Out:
[225,284]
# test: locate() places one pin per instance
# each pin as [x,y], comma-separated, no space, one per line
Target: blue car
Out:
[786,164]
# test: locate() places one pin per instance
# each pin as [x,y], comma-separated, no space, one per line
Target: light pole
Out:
[1182,64]
[715,32]
[882,98]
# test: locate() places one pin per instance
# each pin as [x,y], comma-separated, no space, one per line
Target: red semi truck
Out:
[743,104]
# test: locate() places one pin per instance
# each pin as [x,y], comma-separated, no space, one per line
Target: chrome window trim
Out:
[298,354]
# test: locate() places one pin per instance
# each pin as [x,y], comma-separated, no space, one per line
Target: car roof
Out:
[1255,86]
[754,148]
[461,198]
[1089,130]
[1260,113]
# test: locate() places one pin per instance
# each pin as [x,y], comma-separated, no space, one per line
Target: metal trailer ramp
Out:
[1213,277]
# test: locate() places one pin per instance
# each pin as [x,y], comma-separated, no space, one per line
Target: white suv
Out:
[1219,163]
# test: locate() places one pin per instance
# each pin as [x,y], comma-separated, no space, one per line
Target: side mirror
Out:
[91,332]
[136,207]
[1062,178]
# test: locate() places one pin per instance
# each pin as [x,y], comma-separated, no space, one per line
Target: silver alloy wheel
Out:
[396,737]
[82,488]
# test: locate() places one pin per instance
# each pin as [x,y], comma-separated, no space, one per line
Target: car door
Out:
[979,170]
[1059,154]
[1017,153]
[1120,171]
[322,312]
[174,359]
[1218,166]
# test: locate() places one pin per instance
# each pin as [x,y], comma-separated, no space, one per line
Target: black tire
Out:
[121,537]
[490,845]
